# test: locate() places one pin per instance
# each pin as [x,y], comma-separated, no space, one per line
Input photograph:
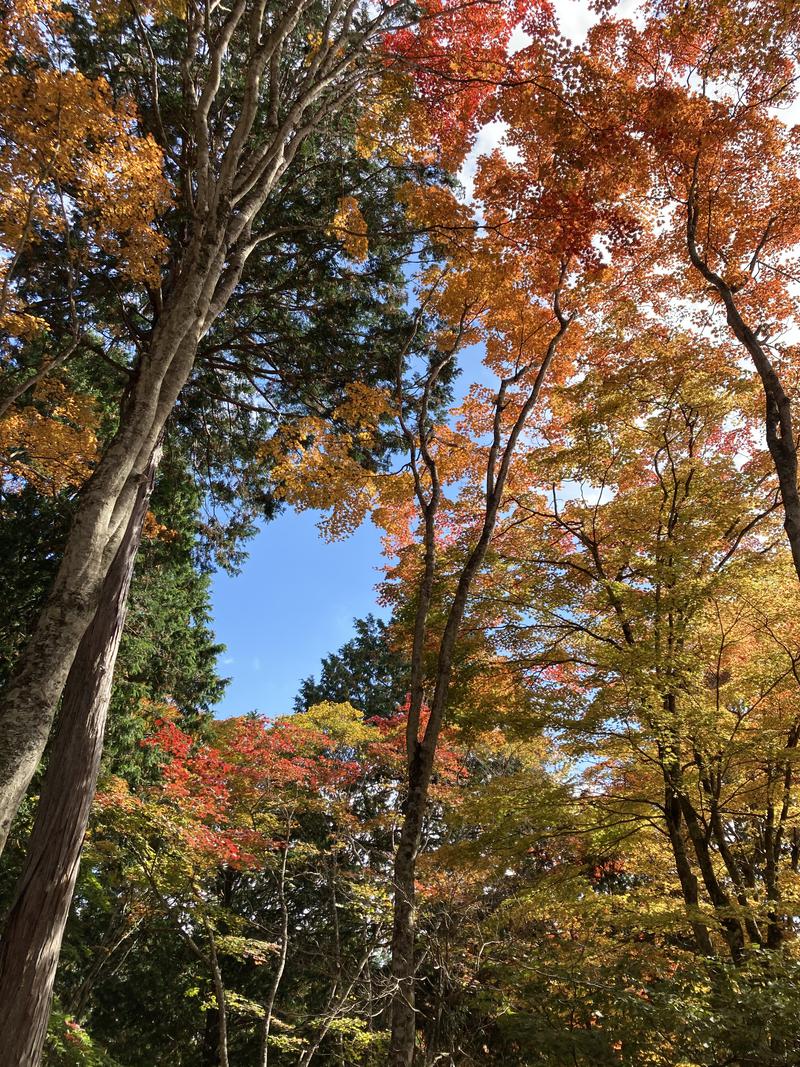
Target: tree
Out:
[260,858]
[552,206]
[698,89]
[365,672]
[301,66]
[577,839]
[35,925]
[217,240]
[519,309]
[644,582]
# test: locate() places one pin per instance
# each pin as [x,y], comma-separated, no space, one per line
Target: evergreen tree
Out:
[366,672]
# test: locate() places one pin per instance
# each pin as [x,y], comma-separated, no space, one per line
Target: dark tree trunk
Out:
[422,753]
[778,421]
[403,971]
[731,927]
[739,871]
[771,854]
[210,1049]
[35,927]
[683,868]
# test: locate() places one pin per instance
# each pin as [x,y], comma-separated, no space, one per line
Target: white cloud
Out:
[574,19]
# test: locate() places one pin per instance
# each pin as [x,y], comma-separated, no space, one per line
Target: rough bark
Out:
[102,518]
[35,927]
[234,170]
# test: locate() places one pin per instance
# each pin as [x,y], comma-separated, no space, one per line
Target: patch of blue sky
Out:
[292,603]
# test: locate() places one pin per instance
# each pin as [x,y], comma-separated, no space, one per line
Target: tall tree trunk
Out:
[778,420]
[683,868]
[230,180]
[209,1052]
[421,752]
[222,1007]
[99,528]
[771,855]
[731,927]
[35,927]
[403,930]
[740,874]
[283,953]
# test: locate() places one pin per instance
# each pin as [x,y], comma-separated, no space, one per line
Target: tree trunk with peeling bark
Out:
[99,528]
[31,941]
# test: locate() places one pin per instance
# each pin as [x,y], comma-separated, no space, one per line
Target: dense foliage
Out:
[545,809]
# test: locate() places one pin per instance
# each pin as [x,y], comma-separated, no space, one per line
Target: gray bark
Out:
[233,175]
[103,516]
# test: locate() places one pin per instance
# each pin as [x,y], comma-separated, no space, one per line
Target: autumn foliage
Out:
[529,305]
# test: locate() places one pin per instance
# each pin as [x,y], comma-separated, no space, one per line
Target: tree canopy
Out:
[529,306]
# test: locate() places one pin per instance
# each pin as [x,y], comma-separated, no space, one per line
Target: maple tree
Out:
[518,307]
[699,90]
[665,572]
[76,168]
[260,812]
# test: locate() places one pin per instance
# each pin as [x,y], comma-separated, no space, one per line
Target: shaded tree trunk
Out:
[731,927]
[683,868]
[210,1048]
[269,1006]
[403,928]
[222,1007]
[99,529]
[35,927]
[740,873]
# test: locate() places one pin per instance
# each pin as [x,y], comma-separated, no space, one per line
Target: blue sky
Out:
[296,596]
[292,603]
